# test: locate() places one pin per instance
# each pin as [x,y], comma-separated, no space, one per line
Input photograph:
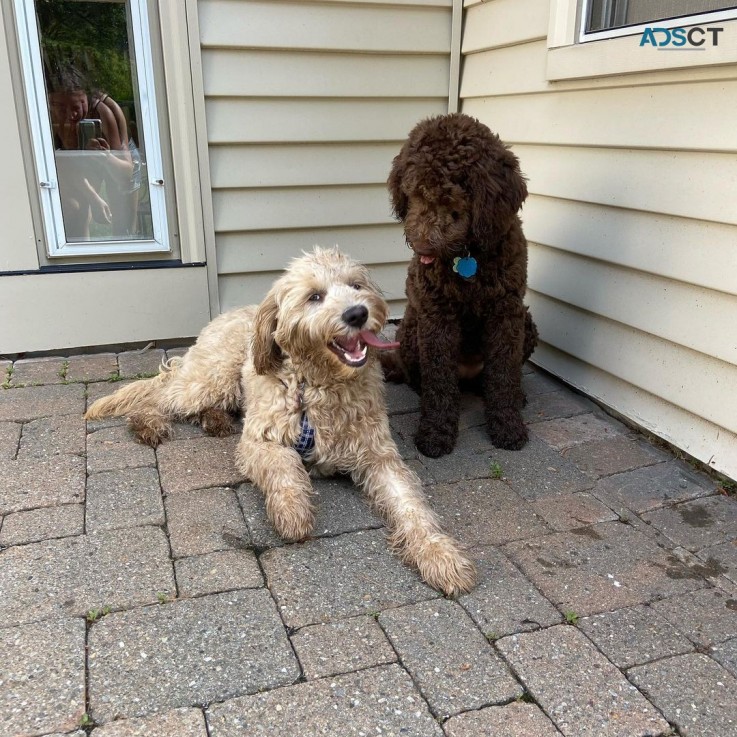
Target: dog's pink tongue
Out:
[427,259]
[374,340]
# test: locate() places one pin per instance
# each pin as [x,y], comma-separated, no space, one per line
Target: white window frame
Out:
[57,245]
[715,16]
[568,58]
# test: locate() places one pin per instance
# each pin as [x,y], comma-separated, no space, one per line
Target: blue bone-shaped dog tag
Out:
[465,266]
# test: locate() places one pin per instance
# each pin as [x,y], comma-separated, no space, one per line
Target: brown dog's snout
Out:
[355,316]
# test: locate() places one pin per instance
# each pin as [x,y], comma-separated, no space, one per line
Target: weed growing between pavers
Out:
[63,371]
[8,376]
[94,614]
[525,698]
[727,486]
[571,617]
[496,470]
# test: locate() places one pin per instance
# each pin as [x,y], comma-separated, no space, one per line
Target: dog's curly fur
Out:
[278,361]
[457,190]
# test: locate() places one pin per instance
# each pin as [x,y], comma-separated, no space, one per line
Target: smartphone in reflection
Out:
[88,128]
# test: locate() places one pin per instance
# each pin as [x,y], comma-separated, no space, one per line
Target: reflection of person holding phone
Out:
[121,164]
[95,124]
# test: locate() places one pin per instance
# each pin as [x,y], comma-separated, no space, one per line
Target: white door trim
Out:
[57,244]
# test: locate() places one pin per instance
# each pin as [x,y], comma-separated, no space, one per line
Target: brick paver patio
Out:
[143,593]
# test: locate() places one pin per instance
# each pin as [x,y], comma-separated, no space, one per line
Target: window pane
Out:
[605,14]
[93,97]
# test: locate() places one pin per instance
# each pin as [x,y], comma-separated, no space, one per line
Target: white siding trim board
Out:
[406,28]
[242,74]
[569,118]
[301,164]
[293,121]
[300,207]
[234,286]
[262,250]
[687,184]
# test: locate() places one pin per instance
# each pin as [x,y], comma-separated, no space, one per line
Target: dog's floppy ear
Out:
[267,355]
[514,191]
[498,190]
[400,202]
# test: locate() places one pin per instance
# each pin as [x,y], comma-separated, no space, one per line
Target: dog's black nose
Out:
[355,316]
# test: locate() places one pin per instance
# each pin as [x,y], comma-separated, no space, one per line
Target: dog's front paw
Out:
[433,444]
[294,522]
[507,430]
[443,566]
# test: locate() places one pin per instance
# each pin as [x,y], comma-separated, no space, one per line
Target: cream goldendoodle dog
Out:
[302,366]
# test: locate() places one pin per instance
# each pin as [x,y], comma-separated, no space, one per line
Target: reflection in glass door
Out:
[88,70]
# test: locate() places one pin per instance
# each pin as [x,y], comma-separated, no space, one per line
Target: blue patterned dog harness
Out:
[306,440]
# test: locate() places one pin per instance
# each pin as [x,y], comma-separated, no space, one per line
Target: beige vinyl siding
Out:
[631,223]
[306,105]
[63,311]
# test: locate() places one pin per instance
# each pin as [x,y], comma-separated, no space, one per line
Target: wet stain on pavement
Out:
[589,532]
[696,515]
[676,569]
[710,569]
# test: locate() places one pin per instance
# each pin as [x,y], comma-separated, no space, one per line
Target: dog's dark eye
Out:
[455,215]
[356,285]
[315,297]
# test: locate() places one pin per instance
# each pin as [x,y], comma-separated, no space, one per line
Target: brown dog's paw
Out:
[217,422]
[507,430]
[149,430]
[433,444]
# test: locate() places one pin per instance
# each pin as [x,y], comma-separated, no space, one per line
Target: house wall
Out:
[306,105]
[631,220]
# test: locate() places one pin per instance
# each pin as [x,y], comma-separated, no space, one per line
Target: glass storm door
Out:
[90,87]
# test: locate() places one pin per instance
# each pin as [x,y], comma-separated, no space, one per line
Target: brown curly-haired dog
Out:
[457,189]
[302,366]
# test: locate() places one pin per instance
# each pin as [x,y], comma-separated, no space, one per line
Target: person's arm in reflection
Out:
[114,137]
[99,208]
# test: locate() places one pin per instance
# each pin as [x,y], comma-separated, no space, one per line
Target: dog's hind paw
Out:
[392,368]
[217,422]
[443,566]
[149,430]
